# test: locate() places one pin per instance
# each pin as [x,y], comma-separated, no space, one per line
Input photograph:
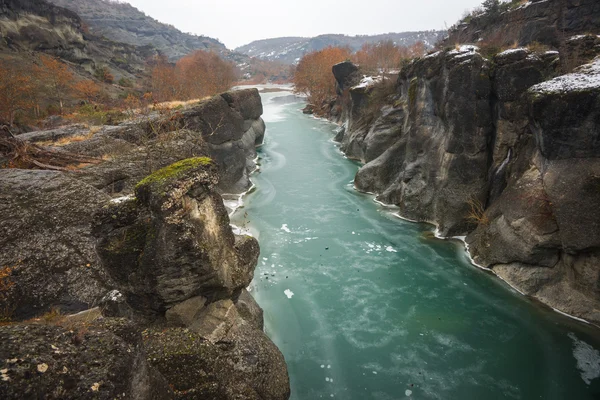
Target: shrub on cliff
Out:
[313,75]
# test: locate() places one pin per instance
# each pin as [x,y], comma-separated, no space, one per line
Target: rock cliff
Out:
[140,244]
[503,150]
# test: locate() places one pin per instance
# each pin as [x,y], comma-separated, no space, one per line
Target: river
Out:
[364,305]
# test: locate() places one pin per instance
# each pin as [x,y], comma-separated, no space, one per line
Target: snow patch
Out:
[584,78]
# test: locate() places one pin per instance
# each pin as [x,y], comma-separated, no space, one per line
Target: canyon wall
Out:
[503,150]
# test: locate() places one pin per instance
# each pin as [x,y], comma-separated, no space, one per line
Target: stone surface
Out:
[45,236]
[186,312]
[93,361]
[249,309]
[233,361]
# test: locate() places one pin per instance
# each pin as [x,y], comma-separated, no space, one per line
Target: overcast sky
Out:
[237,22]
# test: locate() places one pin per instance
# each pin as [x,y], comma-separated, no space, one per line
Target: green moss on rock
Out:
[175,170]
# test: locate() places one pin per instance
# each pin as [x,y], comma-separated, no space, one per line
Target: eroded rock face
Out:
[173,240]
[506,155]
[98,360]
[436,139]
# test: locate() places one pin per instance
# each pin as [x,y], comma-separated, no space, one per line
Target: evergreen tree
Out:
[491,8]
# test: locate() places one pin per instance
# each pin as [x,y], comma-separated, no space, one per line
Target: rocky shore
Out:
[124,279]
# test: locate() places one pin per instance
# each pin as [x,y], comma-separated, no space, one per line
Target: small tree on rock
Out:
[491,9]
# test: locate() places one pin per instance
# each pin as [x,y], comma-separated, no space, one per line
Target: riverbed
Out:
[364,305]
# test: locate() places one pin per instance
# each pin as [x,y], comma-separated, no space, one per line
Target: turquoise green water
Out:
[379,311]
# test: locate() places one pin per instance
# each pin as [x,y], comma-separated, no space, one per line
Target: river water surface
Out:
[364,305]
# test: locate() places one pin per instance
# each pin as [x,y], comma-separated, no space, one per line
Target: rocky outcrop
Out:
[219,356]
[45,225]
[548,22]
[497,151]
[96,360]
[228,128]
[146,237]
[172,241]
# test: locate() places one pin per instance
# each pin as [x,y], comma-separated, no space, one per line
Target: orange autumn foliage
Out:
[313,75]
[385,56]
[87,90]
[55,78]
[16,90]
[195,76]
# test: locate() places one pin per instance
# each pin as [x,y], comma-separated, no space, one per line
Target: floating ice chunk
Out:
[326,379]
[265,258]
[374,372]
[322,366]
[391,249]
[408,392]
[329,367]
[354,233]
[288,293]
[285,228]
[588,359]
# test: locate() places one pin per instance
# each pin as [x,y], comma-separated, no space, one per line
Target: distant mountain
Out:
[121,22]
[289,50]
[35,26]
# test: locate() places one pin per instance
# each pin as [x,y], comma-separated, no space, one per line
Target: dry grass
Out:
[477,212]
[69,139]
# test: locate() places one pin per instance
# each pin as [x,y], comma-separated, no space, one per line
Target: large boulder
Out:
[97,360]
[220,356]
[46,242]
[173,241]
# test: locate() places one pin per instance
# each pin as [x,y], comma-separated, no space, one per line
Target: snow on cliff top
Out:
[513,51]
[367,81]
[465,48]
[584,78]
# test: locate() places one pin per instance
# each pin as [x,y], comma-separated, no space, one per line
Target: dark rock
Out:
[562,130]
[443,118]
[500,152]
[201,255]
[346,75]
[546,22]
[247,102]
[114,304]
[104,361]
[45,236]
[221,357]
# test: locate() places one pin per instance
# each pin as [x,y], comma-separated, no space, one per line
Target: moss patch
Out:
[412,92]
[173,171]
